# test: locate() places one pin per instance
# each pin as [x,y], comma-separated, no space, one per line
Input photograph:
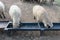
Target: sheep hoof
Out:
[48,26]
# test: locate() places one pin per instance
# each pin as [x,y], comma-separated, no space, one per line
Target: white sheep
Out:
[40,14]
[15,13]
[40,1]
[50,2]
[2,10]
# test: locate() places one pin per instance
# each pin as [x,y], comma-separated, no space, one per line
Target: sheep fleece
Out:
[41,15]
[15,13]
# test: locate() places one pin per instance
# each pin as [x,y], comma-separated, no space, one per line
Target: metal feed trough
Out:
[28,27]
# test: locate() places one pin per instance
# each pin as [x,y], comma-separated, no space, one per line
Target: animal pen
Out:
[7,26]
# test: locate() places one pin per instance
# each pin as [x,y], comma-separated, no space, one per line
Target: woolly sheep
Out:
[46,1]
[15,13]
[40,15]
[2,10]
[41,1]
[50,2]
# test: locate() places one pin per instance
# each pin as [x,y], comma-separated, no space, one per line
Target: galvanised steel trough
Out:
[7,26]
[32,27]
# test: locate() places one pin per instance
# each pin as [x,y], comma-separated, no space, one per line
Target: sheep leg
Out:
[0,16]
[34,17]
[20,24]
[44,1]
[16,23]
[38,24]
[38,1]
[33,0]
[45,24]
[51,2]
[3,15]
[50,24]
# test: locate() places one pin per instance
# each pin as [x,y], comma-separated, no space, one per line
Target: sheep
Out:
[40,1]
[15,13]
[40,15]
[43,1]
[50,2]
[2,10]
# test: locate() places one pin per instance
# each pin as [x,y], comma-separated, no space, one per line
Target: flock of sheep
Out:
[39,14]
[41,1]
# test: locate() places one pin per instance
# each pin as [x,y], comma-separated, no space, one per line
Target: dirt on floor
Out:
[26,7]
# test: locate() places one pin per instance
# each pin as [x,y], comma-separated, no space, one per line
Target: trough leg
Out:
[41,33]
[8,32]
[11,33]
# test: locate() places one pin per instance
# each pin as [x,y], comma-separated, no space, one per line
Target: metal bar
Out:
[34,27]
[41,33]
[31,27]
[3,24]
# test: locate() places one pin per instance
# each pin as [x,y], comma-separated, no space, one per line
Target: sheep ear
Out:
[34,17]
